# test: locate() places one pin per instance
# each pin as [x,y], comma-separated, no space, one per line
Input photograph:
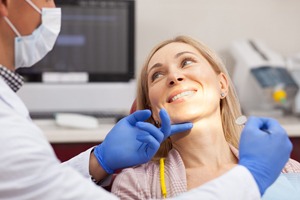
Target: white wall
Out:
[217,23]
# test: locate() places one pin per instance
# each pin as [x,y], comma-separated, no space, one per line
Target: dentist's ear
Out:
[3,8]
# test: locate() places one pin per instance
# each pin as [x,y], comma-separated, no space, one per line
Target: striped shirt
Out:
[12,79]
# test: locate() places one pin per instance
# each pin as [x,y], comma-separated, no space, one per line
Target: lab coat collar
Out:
[11,99]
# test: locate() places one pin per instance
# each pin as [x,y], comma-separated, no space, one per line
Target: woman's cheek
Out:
[154,97]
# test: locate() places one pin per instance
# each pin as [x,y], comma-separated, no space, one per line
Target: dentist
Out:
[29,168]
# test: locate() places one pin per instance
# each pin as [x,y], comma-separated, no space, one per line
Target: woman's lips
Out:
[178,95]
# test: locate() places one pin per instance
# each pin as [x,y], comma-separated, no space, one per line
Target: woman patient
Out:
[187,79]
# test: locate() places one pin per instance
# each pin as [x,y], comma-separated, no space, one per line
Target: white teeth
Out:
[186,93]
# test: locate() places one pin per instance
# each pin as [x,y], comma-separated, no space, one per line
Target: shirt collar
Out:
[12,79]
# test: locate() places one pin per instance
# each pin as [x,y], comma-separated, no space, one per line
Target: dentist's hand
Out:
[264,149]
[133,141]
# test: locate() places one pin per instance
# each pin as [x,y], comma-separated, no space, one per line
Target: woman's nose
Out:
[174,79]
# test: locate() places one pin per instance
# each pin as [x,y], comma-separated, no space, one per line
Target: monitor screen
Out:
[96,40]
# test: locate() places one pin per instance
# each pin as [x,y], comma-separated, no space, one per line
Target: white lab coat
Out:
[29,168]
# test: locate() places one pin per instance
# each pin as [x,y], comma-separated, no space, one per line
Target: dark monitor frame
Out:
[32,76]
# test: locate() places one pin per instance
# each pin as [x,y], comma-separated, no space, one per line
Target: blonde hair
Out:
[229,106]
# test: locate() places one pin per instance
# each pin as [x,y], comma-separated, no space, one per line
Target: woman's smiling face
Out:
[183,82]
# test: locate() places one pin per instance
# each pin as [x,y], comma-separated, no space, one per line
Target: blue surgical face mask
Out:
[32,48]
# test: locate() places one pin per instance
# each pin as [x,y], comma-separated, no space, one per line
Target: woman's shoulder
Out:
[151,168]
[134,182]
[143,181]
[292,166]
[141,171]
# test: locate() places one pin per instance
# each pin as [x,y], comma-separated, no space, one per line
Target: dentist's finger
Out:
[178,128]
[151,129]
[149,140]
[165,121]
[140,115]
[267,125]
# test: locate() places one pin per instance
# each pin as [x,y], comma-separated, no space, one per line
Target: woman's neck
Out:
[204,145]
[205,152]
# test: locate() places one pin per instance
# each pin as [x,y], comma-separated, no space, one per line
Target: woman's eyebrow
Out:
[176,56]
[154,66]
[184,52]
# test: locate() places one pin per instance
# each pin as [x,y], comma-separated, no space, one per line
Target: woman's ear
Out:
[223,84]
[3,8]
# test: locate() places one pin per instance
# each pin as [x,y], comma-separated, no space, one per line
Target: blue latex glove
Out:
[264,149]
[133,141]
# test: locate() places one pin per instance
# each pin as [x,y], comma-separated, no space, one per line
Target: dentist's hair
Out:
[229,106]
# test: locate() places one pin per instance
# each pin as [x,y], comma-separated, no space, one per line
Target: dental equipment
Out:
[241,120]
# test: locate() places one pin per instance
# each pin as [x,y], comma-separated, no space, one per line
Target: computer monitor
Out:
[96,39]
[91,67]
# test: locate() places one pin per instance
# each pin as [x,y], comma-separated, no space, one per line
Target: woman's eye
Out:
[155,76]
[187,62]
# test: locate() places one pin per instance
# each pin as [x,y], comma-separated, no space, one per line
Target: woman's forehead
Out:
[171,50]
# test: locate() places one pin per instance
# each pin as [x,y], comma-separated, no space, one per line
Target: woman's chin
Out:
[180,121]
